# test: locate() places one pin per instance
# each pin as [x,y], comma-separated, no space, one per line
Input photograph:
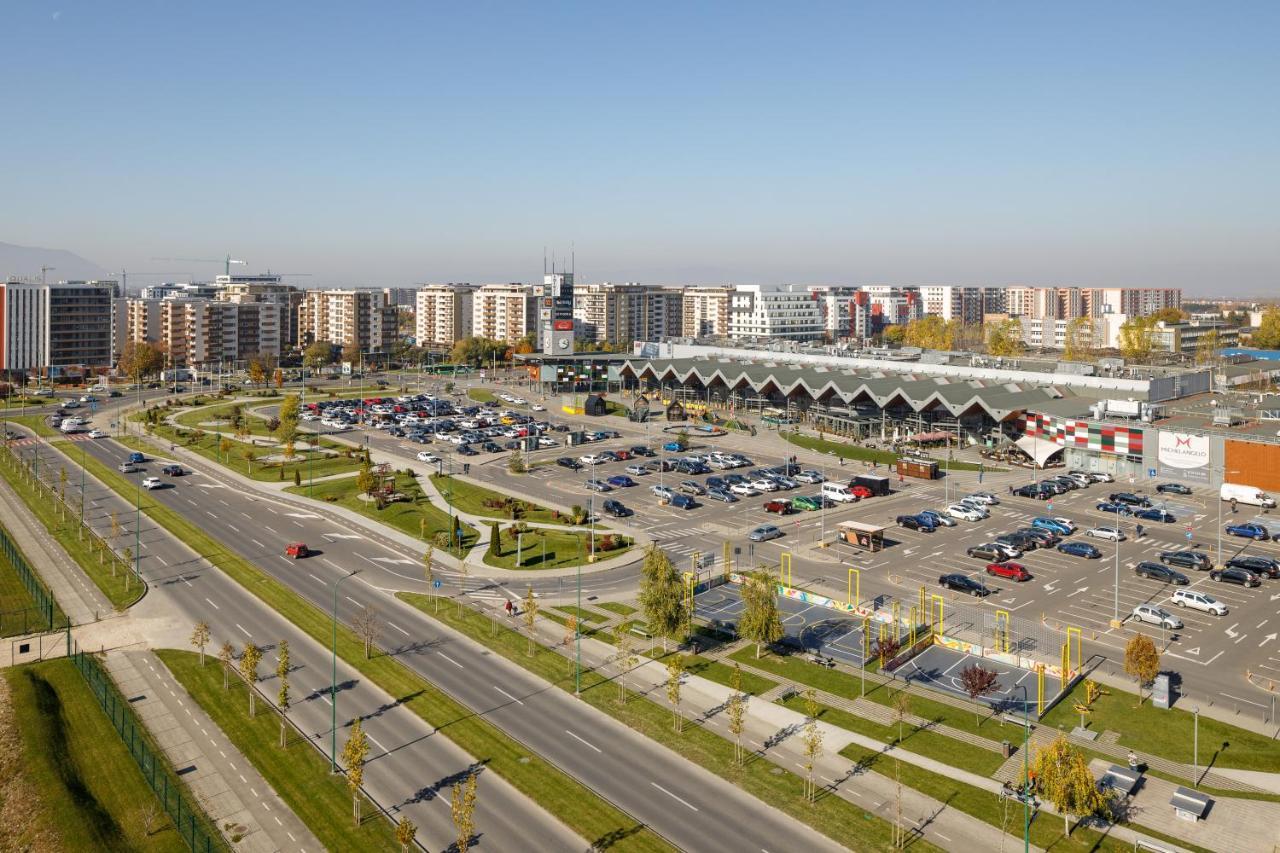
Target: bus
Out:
[449,369]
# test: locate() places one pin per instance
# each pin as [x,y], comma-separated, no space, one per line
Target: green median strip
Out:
[581,810]
[416,516]
[39,424]
[477,500]
[297,772]
[832,816]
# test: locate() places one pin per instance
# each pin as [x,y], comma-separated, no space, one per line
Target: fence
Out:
[41,616]
[190,822]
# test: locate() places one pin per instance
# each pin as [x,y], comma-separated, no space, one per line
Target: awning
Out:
[1039,449]
[931,436]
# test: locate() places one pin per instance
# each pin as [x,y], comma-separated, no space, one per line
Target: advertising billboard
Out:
[1183,456]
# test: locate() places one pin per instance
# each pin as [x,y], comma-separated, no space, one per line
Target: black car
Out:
[1129,499]
[1043,538]
[569,462]
[1264,566]
[1173,489]
[492,447]
[172,471]
[616,509]
[641,450]
[1013,540]
[1031,492]
[914,522]
[1159,572]
[1244,577]
[1150,514]
[960,583]
[1188,560]
[987,552]
[468,450]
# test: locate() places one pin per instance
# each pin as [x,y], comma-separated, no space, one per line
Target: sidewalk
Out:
[231,791]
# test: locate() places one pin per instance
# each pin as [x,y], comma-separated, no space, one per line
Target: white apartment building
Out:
[443,314]
[1066,303]
[759,311]
[24,326]
[356,320]
[705,312]
[620,313]
[950,302]
[242,289]
[504,312]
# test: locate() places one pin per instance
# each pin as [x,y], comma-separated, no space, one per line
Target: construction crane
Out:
[44,269]
[124,278]
[227,261]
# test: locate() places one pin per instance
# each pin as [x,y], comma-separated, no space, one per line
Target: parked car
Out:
[691,487]
[861,492]
[1154,514]
[592,459]
[641,450]
[615,509]
[763,533]
[807,503]
[1031,491]
[1197,600]
[1117,508]
[152,483]
[938,519]
[597,486]
[672,447]
[722,495]
[1016,543]
[987,551]
[745,490]
[1010,552]
[1259,565]
[1248,530]
[620,481]
[1129,499]
[1011,571]
[1173,489]
[1187,560]
[985,497]
[638,470]
[1059,525]
[664,492]
[566,462]
[964,513]
[1243,577]
[1040,536]
[683,502]
[780,507]
[297,550]
[1156,616]
[967,585]
[915,522]
[1159,572]
[813,478]
[1080,549]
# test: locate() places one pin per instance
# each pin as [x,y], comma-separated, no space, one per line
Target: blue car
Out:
[137,457]
[1062,528]
[1155,515]
[621,481]
[683,502]
[672,446]
[1118,509]
[1080,549]
[1248,531]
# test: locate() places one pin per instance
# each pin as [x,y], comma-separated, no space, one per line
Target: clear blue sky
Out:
[968,143]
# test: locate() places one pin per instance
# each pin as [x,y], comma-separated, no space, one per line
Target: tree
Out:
[278,378]
[661,594]
[226,654]
[901,709]
[282,673]
[287,430]
[1063,778]
[257,371]
[1137,338]
[200,637]
[463,809]
[1169,315]
[249,659]
[477,351]
[736,711]
[368,627]
[1079,342]
[1004,337]
[1267,335]
[1207,347]
[224,447]
[406,830]
[675,670]
[139,359]
[365,481]
[319,354]
[530,615]
[928,333]
[760,622]
[887,648]
[812,740]
[626,658]
[1142,661]
[429,573]
[895,335]
[570,630]
[978,682]
[354,753]
[516,463]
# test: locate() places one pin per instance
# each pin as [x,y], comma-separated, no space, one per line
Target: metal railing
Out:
[41,615]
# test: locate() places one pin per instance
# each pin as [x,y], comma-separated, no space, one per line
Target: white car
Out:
[1111,534]
[1066,522]
[811,477]
[427,456]
[591,459]
[763,485]
[637,470]
[152,483]
[1199,601]
[939,518]
[544,441]
[1156,616]
[97,433]
[977,506]
[746,490]
[519,401]
[537,407]
[964,513]
[984,498]
[1010,552]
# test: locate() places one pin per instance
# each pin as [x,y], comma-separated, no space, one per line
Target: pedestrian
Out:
[1138,531]
[1011,488]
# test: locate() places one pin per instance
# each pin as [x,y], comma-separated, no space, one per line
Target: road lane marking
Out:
[508,695]
[581,741]
[674,797]
[398,628]
[241,627]
[451,660]
[215,607]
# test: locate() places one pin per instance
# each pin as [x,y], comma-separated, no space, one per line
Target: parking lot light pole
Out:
[333,690]
[1026,793]
[1115,607]
[1195,749]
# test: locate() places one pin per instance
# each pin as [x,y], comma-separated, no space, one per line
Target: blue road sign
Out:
[1188,535]
[435,584]
[1151,472]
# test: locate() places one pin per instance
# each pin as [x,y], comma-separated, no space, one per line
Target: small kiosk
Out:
[1189,805]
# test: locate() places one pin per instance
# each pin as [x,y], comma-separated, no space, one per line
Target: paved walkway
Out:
[226,784]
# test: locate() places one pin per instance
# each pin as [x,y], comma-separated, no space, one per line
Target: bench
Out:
[640,632]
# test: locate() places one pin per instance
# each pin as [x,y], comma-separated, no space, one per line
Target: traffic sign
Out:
[435,584]
[1188,535]
[1049,506]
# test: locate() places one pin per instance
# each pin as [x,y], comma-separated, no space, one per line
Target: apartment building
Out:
[443,314]
[965,304]
[399,297]
[355,320]
[1133,301]
[267,288]
[705,312]
[195,332]
[79,316]
[760,311]
[1066,303]
[504,312]
[24,326]
[620,313]
[176,290]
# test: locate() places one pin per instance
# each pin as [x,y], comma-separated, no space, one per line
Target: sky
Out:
[1094,144]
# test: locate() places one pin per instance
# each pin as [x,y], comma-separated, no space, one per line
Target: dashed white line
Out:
[246,633]
[581,741]
[674,797]
[215,607]
[398,628]
[508,695]
[451,660]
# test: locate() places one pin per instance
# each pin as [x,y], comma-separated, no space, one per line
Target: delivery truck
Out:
[1250,495]
[877,485]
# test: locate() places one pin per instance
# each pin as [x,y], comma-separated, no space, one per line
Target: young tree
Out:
[354,753]
[200,637]
[812,739]
[901,709]
[661,594]
[530,605]
[463,809]
[736,711]
[887,649]
[318,354]
[226,654]
[1004,338]
[365,481]
[1079,342]
[290,414]
[257,371]
[978,682]
[278,378]
[368,626]
[675,670]
[406,831]
[139,359]
[624,657]
[249,659]
[1063,778]
[1137,339]
[760,622]
[570,630]
[1207,348]
[429,574]
[1142,661]
[224,447]
[115,538]
[282,698]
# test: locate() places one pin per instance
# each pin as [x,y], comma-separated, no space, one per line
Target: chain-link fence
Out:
[43,614]
[191,823]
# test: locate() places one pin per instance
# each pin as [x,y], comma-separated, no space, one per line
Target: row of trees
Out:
[999,337]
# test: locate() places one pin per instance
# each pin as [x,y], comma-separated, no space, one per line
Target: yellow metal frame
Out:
[1002,631]
[914,616]
[1039,689]
[1078,634]
[897,615]
[866,638]
[728,559]
[1066,661]
[851,590]
[690,581]
[784,568]
[936,625]
[694,559]
[921,609]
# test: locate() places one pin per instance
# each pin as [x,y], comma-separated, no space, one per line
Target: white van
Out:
[1199,601]
[838,492]
[1246,495]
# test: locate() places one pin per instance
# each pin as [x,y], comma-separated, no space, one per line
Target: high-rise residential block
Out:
[443,314]
[620,313]
[758,311]
[505,312]
[356,320]
[706,312]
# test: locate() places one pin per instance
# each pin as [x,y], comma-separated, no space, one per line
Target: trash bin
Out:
[1006,749]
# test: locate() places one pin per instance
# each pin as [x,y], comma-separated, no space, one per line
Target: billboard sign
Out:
[1184,456]
[563,325]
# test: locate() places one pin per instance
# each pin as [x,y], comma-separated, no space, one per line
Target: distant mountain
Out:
[25,262]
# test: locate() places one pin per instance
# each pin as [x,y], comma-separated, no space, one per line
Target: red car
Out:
[1013,571]
[297,550]
[780,507]
[622,454]
[860,492]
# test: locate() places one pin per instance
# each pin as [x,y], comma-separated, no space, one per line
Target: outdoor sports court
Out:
[818,630]
[939,667]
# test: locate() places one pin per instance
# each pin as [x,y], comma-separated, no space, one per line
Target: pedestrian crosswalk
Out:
[32,441]
[678,533]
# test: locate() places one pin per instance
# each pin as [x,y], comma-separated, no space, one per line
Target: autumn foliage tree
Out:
[1063,778]
[977,682]
[1141,661]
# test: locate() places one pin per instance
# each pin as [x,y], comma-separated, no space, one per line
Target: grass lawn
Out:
[481,395]
[92,796]
[209,446]
[477,500]
[121,590]
[223,412]
[582,613]
[832,816]
[579,808]
[39,424]
[408,516]
[550,549]
[866,454]
[298,773]
[17,614]
[615,607]
[796,668]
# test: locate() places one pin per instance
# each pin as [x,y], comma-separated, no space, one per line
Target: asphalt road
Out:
[685,804]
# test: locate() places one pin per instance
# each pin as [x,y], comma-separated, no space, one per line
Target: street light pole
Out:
[1026,793]
[333,689]
[1195,755]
